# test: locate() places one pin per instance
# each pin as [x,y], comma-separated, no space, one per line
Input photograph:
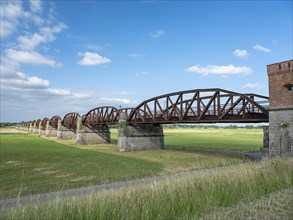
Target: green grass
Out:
[180,198]
[212,139]
[31,164]
[277,205]
[218,139]
[175,160]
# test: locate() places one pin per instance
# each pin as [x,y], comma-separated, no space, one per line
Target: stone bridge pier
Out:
[139,136]
[42,130]
[280,138]
[65,133]
[92,134]
[50,130]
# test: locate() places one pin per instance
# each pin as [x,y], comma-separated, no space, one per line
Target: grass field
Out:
[240,139]
[204,196]
[31,164]
[213,139]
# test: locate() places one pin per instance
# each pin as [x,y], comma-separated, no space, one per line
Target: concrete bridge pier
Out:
[31,127]
[87,135]
[50,130]
[42,130]
[64,133]
[35,128]
[139,136]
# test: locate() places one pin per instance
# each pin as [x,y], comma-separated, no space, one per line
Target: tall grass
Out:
[180,198]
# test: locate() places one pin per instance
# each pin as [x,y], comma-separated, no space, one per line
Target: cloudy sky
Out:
[72,56]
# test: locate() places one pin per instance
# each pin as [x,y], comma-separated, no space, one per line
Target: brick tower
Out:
[281,108]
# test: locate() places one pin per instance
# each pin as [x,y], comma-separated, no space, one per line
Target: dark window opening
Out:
[289,87]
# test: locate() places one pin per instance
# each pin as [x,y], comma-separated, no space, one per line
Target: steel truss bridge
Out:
[191,106]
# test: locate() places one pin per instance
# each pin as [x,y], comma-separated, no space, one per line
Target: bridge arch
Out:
[202,106]
[38,122]
[44,122]
[54,121]
[70,120]
[101,116]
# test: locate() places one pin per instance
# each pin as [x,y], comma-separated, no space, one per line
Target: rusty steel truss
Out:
[104,115]
[44,122]
[54,121]
[70,120]
[38,122]
[101,115]
[202,106]
[191,106]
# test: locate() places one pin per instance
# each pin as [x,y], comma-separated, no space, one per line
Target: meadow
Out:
[31,164]
[242,191]
[214,139]
[233,187]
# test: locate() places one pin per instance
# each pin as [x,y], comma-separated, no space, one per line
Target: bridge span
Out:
[141,127]
[191,106]
[143,123]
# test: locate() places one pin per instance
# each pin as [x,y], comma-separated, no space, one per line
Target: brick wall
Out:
[281,108]
[280,81]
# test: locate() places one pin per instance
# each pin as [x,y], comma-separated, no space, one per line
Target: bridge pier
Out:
[42,130]
[50,130]
[35,129]
[90,134]
[265,148]
[31,127]
[64,133]
[139,136]
[281,109]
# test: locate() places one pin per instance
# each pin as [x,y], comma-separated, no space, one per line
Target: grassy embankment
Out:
[30,164]
[180,198]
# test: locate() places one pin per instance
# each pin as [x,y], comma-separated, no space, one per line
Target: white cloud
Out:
[261,48]
[115,101]
[12,10]
[36,6]
[219,70]
[60,92]
[157,34]
[10,13]
[90,59]
[38,20]
[251,86]
[32,82]
[30,41]
[240,53]
[6,28]
[31,57]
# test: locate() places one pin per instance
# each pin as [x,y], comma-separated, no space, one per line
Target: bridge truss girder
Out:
[202,106]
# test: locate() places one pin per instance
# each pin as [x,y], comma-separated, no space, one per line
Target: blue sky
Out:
[72,56]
